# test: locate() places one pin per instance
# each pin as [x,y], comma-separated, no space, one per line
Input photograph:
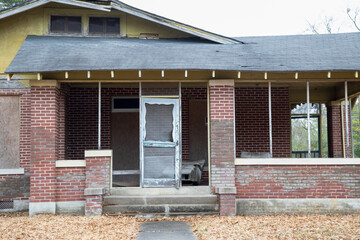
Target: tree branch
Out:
[353,19]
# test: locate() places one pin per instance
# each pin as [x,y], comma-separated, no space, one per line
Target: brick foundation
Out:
[312,181]
[70,184]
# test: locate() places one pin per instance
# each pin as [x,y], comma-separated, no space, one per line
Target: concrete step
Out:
[186,209]
[158,200]
[137,191]
[161,214]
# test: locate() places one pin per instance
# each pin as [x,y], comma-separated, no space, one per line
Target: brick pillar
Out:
[222,143]
[62,122]
[334,131]
[98,164]
[44,137]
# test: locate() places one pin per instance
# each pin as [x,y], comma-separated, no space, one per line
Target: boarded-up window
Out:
[9,132]
[65,24]
[101,25]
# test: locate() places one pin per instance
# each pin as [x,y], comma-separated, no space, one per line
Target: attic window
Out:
[65,24]
[102,25]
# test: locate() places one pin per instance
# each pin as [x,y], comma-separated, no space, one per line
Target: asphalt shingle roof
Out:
[328,52]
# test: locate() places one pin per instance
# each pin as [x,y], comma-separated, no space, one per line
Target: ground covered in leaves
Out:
[21,226]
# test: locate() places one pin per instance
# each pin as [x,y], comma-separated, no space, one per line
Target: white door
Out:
[159,142]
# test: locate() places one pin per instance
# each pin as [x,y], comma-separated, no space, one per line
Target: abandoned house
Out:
[108,108]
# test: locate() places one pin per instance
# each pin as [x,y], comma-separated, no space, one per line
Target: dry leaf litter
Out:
[21,226]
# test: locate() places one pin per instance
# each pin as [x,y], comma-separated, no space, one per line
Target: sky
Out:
[235,18]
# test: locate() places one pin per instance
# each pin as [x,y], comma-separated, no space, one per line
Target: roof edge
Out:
[174,24]
[37,3]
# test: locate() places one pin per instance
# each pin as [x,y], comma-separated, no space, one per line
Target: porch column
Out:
[44,144]
[222,143]
[334,131]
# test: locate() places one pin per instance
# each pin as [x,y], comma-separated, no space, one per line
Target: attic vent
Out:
[149,36]
[6,205]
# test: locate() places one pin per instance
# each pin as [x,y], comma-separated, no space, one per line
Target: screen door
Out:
[160,158]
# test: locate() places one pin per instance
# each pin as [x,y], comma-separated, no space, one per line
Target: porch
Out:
[241,120]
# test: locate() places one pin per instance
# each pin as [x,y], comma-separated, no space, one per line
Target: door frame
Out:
[176,140]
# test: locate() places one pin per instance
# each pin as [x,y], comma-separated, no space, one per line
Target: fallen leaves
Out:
[277,227]
[21,226]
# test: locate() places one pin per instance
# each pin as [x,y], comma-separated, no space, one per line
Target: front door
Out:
[159,142]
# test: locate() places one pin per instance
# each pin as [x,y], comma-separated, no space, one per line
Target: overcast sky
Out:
[253,17]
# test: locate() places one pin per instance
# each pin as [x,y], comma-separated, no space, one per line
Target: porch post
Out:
[270,122]
[347,121]
[222,143]
[99,117]
[44,143]
[308,117]
[351,130]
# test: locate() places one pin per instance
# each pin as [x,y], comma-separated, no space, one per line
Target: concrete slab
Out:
[163,230]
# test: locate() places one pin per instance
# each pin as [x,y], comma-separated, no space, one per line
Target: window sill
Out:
[12,171]
[70,163]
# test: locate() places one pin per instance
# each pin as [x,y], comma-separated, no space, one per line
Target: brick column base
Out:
[227,200]
[94,201]
[98,180]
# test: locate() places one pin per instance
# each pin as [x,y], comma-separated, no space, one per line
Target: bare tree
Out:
[353,17]
[328,24]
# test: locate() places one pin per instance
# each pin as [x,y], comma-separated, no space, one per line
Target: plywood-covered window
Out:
[102,25]
[65,24]
[9,132]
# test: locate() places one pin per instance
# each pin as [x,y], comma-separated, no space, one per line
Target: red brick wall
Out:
[18,186]
[82,124]
[98,172]
[252,121]
[222,135]
[44,143]
[298,181]
[82,118]
[70,184]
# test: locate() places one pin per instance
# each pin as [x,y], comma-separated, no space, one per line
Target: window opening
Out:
[318,130]
[125,104]
[65,24]
[356,127]
[102,25]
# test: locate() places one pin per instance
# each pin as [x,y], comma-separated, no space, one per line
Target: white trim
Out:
[222,82]
[297,161]
[98,153]
[43,2]
[11,171]
[70,163]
